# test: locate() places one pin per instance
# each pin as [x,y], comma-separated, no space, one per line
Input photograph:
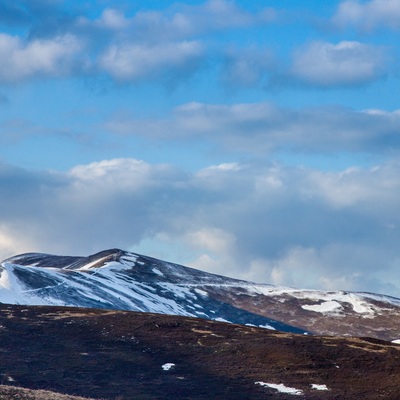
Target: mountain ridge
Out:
[117,279]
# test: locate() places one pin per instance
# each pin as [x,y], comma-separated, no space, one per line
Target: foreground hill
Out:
[18,393]
[107,354]
[115,279]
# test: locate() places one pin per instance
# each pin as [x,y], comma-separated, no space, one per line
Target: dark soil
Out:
[119,355]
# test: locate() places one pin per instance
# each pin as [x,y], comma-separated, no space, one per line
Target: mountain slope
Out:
[127,355]
[115,279]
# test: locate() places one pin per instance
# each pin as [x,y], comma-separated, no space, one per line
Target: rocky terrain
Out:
[108,354]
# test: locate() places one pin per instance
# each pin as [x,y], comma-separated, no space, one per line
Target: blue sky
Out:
[259,141]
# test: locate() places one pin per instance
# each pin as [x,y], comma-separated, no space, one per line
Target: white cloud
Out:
[356,187]
[111,172]
[368,15]
[212,239]
[210,249]
[38,57]
[222,167]
[112,19]
[12,243]
[131,62]
[215,173]
[308,267]
[345,63]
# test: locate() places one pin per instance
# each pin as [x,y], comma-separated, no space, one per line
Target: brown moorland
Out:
[120,355]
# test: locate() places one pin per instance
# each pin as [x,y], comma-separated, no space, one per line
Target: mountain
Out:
[125,355]
[120,280]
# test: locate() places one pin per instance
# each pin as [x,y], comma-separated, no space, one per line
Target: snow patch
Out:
[397,341]
[219,319]
[318,387]
[201,292]
[281,388]
[326,306]
[266,326]
[157,272]
[168,366]
[181,291]
[359,306]
[90,265]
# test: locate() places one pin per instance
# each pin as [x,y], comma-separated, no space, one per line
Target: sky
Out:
[258,140]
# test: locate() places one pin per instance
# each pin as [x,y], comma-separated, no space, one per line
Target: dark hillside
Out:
[120,355]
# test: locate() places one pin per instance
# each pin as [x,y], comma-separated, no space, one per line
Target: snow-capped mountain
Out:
[115,279]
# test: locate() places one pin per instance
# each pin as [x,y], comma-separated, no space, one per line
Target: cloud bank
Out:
[182,39]
[271,224]
[257,128]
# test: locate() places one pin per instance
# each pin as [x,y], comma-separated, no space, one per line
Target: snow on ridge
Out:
[326,306]
[381,298]
[359,305]
[91,264]
[100,285]
[331,301]
[12,291]
[125,262]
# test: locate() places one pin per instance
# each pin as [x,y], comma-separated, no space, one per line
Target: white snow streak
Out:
[201,292]
[167,366]
[326,306]
[157,272]
[281,388]
[315,386]
[12,291]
